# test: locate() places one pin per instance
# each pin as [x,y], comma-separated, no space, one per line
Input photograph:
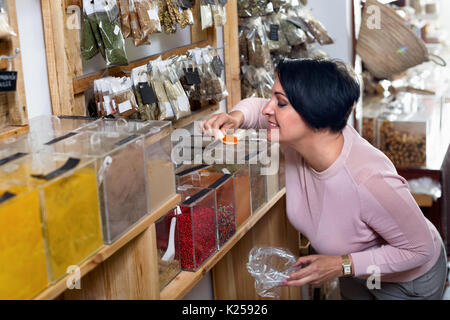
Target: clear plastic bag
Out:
[107,13]
[426,186]
[147,13]
[294,35]
[89,46]
[123,96]
[175,92]
[157,82]
[124,6]
[256,82]
[206,15]
[258,47]
[5,28]
[219,14]
[270,266]
[314,26]
[216,89]
[147,111]
[137,32]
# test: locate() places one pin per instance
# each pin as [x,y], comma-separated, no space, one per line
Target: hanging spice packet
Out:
[145,94]
[294,35]
[107,13]
[89,46]
[164,16]
[219,14]
[137,33]
[147,13]
[258,47]
[5,28]
[157,82]
[91,17]
[175,92]
[206,14]
[314,26]
[123,96]
[216,89]
[124,6]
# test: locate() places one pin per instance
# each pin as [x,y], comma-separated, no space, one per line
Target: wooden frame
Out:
[64,62]
[13,108]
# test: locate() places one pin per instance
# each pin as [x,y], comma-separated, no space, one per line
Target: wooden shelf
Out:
[10,131]
[185,281]
[107,251]
[196,115]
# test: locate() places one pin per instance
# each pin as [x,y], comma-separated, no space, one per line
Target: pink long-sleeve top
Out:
[358,206]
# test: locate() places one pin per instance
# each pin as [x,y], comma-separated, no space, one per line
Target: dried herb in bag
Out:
[254,8]
[219,14]
[147,13]
[187,18]
[94,23]
[124,7]
[257,82]
[137,33]
[294,35]
[206,14]
[107,13]
[258,47]
[123,97]
[89,47]
[157,82]
[216,90]
[276,39]
[145,95]
[315,27]
[164,16]
[175,92]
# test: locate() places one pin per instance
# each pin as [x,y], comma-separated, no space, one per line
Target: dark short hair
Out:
[322,91]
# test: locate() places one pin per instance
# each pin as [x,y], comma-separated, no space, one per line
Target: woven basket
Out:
[394,47]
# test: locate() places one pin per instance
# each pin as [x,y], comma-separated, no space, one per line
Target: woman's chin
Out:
[273,135]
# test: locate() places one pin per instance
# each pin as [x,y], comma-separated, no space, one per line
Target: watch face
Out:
[347,269]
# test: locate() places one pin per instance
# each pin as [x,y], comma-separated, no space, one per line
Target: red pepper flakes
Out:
[226,223]
[196,236]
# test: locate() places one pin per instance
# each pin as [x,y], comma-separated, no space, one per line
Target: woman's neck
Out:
[320,149]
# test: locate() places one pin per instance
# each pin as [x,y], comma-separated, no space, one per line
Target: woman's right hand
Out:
[222,122]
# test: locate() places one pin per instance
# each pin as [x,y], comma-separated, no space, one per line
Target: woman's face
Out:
[283,118]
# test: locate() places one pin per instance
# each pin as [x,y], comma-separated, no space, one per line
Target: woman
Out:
[343,194]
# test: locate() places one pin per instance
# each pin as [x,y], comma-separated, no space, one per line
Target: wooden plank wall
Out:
[13,109]
[230,276]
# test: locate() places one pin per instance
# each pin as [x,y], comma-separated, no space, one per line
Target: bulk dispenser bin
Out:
[241,175]
[271,170]
[23,268]
[120,165]
[196,240]
[403,138]
[69,204]
[223,186]
[169,264]
[158,153]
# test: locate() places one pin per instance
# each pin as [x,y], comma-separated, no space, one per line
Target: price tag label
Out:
[218,66]
[273,35]
[8,81]
[147,93]
[192,76]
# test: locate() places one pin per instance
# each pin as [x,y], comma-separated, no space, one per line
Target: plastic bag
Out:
[147,13]
[426,186]
[200,90]
[276,39]
[219,14]
[107,13]
[147,110]
[89,46]
[164,16]
[157,82]
[256,82]
[254,8]
[294,35]
[5,28]
[206,15]
[216,89]
[258,47]
[91,17]
[123,96]
[243,44]
[124,7]
[175,92]
[137,33]
[270,266]
[315,27]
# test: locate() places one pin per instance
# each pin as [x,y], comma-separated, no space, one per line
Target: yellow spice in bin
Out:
[23,269]
[72,220]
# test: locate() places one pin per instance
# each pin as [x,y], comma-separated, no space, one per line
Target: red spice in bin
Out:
[196,240]
[223,186]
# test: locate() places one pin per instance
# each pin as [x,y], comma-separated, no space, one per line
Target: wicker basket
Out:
[392,48]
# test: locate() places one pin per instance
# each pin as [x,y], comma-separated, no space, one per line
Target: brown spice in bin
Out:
[368,130]
[167,270]
[404,149]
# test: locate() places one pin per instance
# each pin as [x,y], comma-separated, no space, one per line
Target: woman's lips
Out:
[273,125]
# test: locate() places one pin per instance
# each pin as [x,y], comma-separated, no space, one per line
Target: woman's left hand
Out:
[320,269]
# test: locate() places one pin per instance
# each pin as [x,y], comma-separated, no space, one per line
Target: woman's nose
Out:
[268,110]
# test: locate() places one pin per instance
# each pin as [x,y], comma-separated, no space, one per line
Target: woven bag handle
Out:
[437,59]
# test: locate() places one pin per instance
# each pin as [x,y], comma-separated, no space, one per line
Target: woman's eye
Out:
[282,105]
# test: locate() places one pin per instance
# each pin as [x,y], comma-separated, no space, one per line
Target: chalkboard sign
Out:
[8,81]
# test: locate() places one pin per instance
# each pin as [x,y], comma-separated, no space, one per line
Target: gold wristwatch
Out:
[346,266]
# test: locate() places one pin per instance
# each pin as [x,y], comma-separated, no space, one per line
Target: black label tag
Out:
[12,158]
[223,2]
[218,66]
[6,196]
[186,4]
[273,35]
[69,165]
[192,76]
[67,136]
[210,2]
[147,93]
[126,140]
[8,81]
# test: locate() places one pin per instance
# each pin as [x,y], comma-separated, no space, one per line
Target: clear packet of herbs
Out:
[256,82]
[243,44]
[89,46]
[216,89]
[258,46]
[124,9]
[164,16]
[274,33]
[138,35]
[123,97]
[147,12]
[5,27]
[107,13]
[190,79]
[206,14]
[145,94]
[314,26]
[293,33]
[254,8]
[219,14]
[174,91]
[157,82]
[105,104]
[200,93]
[174,11]
[186,15]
